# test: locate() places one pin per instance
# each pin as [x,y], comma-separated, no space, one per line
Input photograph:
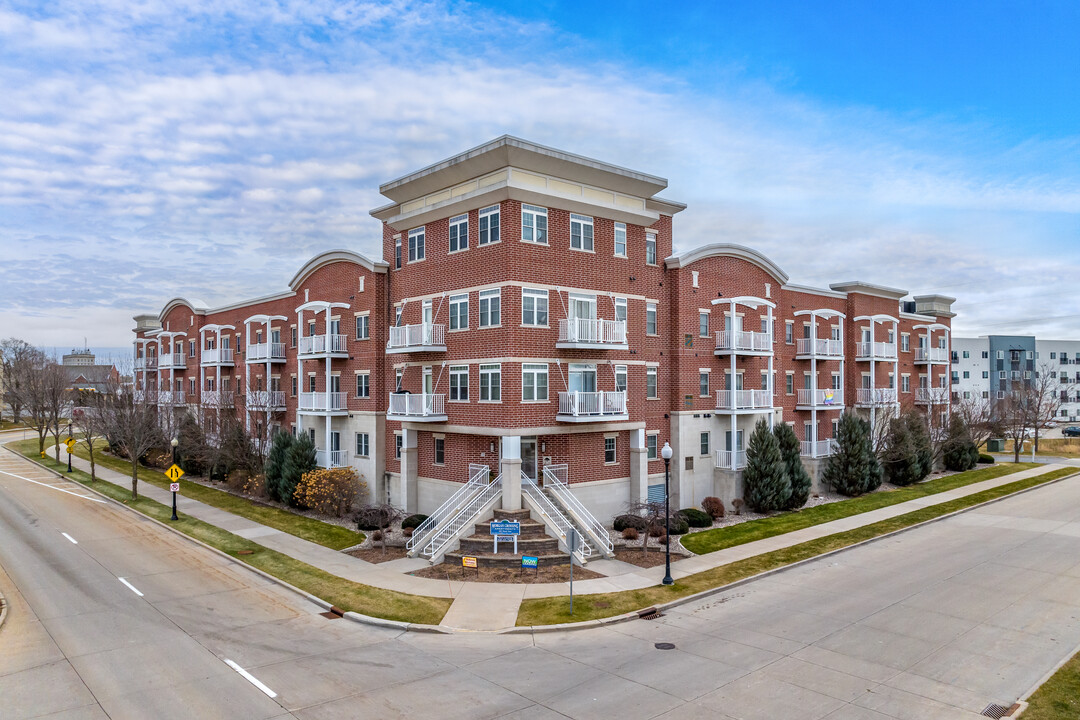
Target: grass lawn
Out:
[549,611]
[345,594]
[316,531]
[9,425]
[1059,697]
[709,541]
[1054,447]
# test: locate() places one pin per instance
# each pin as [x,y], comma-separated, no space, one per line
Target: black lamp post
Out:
[666,453]
[174,442]
[69,449]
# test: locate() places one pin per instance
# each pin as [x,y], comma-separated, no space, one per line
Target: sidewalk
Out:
[494,606]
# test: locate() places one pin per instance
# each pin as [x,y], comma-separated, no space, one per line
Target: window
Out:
[703,384]
[362,327]
[985,374]
[534,383]
[789,383]
[489,225]
[650,318]
[440,450]
[534,224]
[363,385]
[703,323]
[292,336]
[416,245]
[534,307]
[620,378]
[609,450]
[905,342]
[581,232]
[459,233]
[650,249]
[363,444]
[704,443]
[191,346]
[967,374]
[650,446]
[490,302]
[397,253]
[620,309]
[191,386]
[311,382]
[1000,354]
[294,386]
[397,445]
[650,384]
[789,332]
[459,312]
[459,382]
[966,354]
[905,383]
[490,383]
[1053,356]
[620,239]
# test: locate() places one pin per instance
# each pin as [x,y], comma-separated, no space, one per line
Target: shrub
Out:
[696,518]
[376,517]
[738,503]
[790,451]
[407,531]
[656,531]
[413,521]
[679,525]
[901,459]
[985,459]
[714,506]
[630,533]
[765,479]
[853,468]
[635,521]
[329,491]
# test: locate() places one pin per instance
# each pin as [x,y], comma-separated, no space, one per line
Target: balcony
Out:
[417,408]
[425,337]
[592,334]
[592,406]
[267,400]
[217,398]
[315,346]
[743,343]
[728,460]
[172,361]
[736,400]
[932,396]
[931,356]
[877,351]
[819,449]
[175,397]
[261,352]
[809,348]
[872,397]
[146,363]
[321,403]
[144,396]
[332,458]
[217,356]
[823,398]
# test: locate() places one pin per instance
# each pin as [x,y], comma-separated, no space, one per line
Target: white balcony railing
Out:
[744,341]
[875,351]
[175,397]
[417,337]
[592,331]
[217,398]
[323,402]
[332,458]
[142,396]
[146,363]
[744,399]
[725,458]
[932,355]
[822,397]
[172,361]
[265,351]
[826,347]
[821,448]
[932,395]
[875,396]
[408,405]
[322,344]
[266,400]
[592,404]
[217,356]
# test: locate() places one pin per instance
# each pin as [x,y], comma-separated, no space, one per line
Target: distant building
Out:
[84,374]
[79,358]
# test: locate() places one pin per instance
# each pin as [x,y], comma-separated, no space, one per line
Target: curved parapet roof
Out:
[727,250]
[195,305]
[333,256]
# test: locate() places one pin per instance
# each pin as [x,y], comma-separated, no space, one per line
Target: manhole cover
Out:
[671,646]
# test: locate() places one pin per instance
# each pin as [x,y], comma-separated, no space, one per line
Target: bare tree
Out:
[1048,391]
[15,356]
[90,420]
[1017,415]
[42,390]
[976,413]
[653,517]
[131,425]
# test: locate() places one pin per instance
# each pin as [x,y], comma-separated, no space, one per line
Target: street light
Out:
[666,453]
[69,449]
[174,442]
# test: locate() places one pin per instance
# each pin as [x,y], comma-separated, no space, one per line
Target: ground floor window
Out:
[440,450]
[650,446]
[397,446]
[363,448]
[609,450]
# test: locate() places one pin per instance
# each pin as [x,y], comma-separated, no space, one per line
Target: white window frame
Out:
[620,308]
[438,447]
[703,323]
[534,224]
[458,233]
[458,392]
[455,302]
[489,226]
[621,378]
[620,239]
[652,375]
[530,375]
[490,304]
[362,445]
[650,249]
[366,385]
[704,442]
[417,244]
[536,296]
[363,327]
[703,383]
[613,440]
[650,309]
[493,390]
[583,229]
[652,440]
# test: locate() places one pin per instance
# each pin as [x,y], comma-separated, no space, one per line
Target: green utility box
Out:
[995,445]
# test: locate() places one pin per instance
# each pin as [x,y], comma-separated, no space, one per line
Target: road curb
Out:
[3,609]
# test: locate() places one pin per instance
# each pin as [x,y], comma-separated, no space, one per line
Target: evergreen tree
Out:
[920,436]
[901,459]
[191,448]
[876,473]
[300,459]
[765,480]
[797,475]
[275,465]
[852,469]
[958,452]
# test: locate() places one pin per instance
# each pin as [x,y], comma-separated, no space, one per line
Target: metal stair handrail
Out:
[561,489]
[561,522]
[465,516]
[478,476]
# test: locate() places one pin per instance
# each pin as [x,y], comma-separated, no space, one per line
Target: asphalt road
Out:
[934,623]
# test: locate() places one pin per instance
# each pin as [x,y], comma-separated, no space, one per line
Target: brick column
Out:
[639,466]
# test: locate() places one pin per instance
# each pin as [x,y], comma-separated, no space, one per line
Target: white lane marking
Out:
[132,587]
[250,678]
[73,540]
[52,487]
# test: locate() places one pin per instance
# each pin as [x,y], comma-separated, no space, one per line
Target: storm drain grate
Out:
[334,613]
[993,710]
[649,614]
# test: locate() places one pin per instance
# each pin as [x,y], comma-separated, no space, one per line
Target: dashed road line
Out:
[73,540]
[250,678]
[132,587]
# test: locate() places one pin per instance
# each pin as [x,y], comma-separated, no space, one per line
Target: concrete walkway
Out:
[494,606]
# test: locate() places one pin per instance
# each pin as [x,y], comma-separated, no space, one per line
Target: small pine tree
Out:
[920,436]
[875,473]
[958,452]
[300,459]
[852,469]
[765,479]
[797,475]
[275,464]
[901,459]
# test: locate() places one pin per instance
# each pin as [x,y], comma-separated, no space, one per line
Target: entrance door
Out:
[528,457]
[429,387]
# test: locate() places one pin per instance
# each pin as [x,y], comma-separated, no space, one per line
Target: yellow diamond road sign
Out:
[174,473]
[71,443]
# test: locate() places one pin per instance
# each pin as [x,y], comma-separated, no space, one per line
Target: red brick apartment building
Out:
[530,321]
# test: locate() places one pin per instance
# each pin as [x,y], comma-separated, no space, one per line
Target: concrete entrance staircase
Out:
[533,541]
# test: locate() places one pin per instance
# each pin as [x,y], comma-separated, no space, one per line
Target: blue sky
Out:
[208,147]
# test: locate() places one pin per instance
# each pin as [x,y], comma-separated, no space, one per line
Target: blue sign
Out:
[530,562]
[505,527]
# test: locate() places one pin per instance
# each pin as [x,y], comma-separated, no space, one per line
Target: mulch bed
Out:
[376,554]
[551,574]
[654,557]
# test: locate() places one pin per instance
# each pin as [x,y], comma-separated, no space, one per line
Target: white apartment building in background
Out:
[987,366]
